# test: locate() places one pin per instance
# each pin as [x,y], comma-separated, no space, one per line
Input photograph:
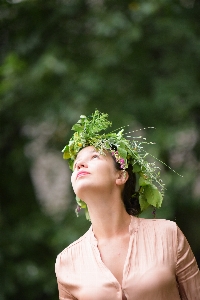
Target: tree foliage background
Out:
[138,61]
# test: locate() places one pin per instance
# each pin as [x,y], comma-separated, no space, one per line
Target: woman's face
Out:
[93,172]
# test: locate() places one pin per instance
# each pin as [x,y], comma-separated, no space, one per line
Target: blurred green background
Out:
[138,61]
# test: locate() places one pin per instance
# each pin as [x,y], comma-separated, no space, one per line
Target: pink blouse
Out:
[159,265]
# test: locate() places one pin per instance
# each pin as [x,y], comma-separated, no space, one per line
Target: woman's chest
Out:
[153,282]
[138,274]
[113,255]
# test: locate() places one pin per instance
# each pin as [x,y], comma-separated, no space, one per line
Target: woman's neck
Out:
[109,218]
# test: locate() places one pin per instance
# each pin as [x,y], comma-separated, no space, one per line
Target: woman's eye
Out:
[95,155]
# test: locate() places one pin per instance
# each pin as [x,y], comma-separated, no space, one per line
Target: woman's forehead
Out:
[89,150]
[86,150]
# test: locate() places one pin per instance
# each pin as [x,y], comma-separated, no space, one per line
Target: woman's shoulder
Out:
[160,225]
[71,257]
[158,234]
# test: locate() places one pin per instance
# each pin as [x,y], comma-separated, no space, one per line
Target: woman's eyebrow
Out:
[90,152]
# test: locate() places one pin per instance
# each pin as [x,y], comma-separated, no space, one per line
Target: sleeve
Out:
[187,271]
[63,293]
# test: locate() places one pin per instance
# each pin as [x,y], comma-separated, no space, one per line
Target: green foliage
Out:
[126,152]
[86,133]
[137,61]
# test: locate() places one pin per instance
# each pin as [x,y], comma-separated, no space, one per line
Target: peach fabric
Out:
[159,265]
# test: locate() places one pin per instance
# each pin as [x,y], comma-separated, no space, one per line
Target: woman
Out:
[121,256]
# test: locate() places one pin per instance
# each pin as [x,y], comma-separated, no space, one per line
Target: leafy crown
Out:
[87,133]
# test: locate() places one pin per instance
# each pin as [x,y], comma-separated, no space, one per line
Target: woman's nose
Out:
[81,164]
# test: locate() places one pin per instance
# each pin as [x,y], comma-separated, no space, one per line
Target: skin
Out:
[96,181]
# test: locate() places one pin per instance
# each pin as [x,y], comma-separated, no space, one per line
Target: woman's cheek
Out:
[72,178]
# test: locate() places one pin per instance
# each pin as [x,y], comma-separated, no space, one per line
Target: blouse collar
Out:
[133,228]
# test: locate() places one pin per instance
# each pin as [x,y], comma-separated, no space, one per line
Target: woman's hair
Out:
[129,195]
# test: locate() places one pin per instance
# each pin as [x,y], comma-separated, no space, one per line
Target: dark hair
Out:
[129,195]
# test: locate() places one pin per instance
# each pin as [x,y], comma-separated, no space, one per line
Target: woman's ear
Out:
[122,177]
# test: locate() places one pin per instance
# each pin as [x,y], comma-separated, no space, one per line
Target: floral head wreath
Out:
[87,133]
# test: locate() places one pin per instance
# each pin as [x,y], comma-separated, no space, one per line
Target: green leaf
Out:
[152,195]
[71,163]
[143,202]
[66,155]
[122,152]
[87,214]
[77,127]
[66,149]
[143,181]
[136,168]
[81,203]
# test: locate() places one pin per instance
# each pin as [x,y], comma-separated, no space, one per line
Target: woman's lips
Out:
[82,173]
